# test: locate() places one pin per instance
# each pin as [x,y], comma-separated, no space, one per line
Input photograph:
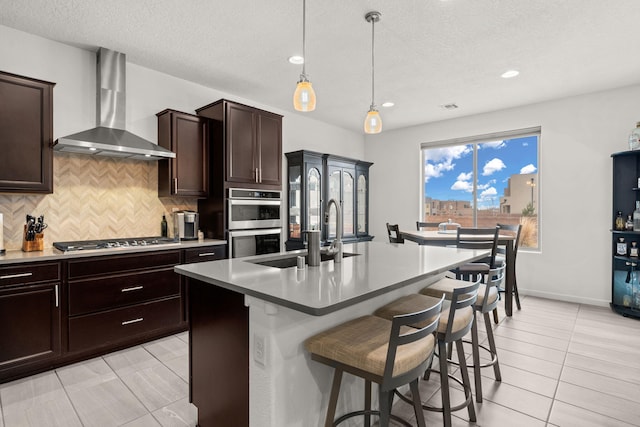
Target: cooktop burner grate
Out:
[84,245]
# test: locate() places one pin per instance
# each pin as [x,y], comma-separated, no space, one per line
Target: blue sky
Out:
[449,170]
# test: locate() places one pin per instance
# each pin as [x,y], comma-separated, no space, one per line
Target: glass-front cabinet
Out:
[314,179]
[625,235]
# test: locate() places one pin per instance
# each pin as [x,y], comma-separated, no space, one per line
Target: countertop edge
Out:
[18,256]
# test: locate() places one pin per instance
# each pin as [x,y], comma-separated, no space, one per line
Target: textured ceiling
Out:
[428,52]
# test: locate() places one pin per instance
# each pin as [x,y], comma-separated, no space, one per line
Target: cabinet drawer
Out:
[208,253]
[116,291]
[107,328]
[105,265]
[29,273]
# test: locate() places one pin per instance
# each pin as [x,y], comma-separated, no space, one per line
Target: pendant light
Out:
[304,98]
[373,122]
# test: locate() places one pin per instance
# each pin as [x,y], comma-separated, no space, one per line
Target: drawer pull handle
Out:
[207,254]
[133,288]
[128,322]
[15,276]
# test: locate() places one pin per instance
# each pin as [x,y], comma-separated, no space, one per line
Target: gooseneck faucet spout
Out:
[336,245]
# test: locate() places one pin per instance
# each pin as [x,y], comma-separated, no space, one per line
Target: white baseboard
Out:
[564,297]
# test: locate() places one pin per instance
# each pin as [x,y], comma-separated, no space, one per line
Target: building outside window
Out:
[484,180]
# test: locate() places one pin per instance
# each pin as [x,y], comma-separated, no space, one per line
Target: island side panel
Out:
[218,355]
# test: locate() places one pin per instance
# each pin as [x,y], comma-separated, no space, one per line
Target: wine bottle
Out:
[636,217]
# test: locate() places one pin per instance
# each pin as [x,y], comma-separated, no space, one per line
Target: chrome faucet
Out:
[336,245]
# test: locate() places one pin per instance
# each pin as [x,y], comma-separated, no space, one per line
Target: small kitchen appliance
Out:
[185,225]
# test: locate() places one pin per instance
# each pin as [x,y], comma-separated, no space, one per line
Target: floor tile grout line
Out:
[564,361]
[66,392]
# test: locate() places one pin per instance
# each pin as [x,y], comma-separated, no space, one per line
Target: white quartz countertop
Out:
[49,254]
[379,268]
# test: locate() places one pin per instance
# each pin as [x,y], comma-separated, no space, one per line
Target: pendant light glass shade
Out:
[304,97]
[373,122]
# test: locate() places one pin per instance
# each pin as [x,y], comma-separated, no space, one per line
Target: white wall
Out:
[148,92]
[578,136]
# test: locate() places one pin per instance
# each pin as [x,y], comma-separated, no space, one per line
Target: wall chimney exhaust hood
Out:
[109,138]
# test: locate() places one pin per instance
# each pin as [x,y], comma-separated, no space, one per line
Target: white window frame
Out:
[479,139]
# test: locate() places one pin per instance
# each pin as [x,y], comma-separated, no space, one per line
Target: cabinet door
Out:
[26,135]
[269,149]
[296,201]
[30,319]
[241,141]
[190,167]
[362,203]
[348,202]
[314,197]
[187,136]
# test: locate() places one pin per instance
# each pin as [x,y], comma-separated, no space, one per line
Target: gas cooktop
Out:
[85,245]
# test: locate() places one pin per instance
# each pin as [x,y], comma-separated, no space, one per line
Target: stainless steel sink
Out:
[292,261]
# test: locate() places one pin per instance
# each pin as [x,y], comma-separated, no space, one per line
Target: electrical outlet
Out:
[259,349]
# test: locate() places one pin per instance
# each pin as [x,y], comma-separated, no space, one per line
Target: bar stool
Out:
[455,323]
[486,303]
[389,353]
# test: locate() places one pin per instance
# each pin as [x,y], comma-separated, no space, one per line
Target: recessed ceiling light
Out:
[451,106]
[92,149]
[388,104]
[509,74]
[296,59]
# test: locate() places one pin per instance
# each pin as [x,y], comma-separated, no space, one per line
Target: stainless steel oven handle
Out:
[261,232]
[255,202]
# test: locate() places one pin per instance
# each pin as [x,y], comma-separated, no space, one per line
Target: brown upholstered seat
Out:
[363,344]
[387,352]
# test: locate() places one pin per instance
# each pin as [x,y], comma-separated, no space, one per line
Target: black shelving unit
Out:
[625,270]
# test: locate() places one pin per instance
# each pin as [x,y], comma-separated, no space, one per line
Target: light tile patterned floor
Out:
[562,364]
[138,387]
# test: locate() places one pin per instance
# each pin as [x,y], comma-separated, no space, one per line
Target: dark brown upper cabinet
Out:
[251,141]
[26,135]
[187,136]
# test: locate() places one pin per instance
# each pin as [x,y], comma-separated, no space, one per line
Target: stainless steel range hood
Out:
[109,138]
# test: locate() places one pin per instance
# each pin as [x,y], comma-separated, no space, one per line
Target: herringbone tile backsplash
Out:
[94,198]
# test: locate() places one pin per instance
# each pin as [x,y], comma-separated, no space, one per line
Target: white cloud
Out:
[528,169]
[440,160]
[488,193]
[465,176]
[496,145]
[493,165]
[462,186]
[487,185]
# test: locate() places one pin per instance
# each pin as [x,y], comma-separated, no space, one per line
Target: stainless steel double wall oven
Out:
[254,221]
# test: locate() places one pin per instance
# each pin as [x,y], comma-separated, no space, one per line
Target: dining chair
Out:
[501,258]
[394,233]
[421,225]
[477,238]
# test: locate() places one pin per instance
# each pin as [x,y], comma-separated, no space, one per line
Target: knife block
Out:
[32,245]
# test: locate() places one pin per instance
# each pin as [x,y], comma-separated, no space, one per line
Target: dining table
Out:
[449,238]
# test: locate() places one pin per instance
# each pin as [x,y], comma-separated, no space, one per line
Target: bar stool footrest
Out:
[467,392]
[373,412]
[493,361]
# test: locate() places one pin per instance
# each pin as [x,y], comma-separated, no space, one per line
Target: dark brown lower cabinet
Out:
[218,355]
[30,319]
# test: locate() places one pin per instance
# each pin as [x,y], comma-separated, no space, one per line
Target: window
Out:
[484,180]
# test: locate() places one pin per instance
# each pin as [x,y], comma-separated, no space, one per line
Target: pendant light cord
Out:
[373,33]
[304,39]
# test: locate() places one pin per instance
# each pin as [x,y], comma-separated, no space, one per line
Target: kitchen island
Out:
[247,330]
